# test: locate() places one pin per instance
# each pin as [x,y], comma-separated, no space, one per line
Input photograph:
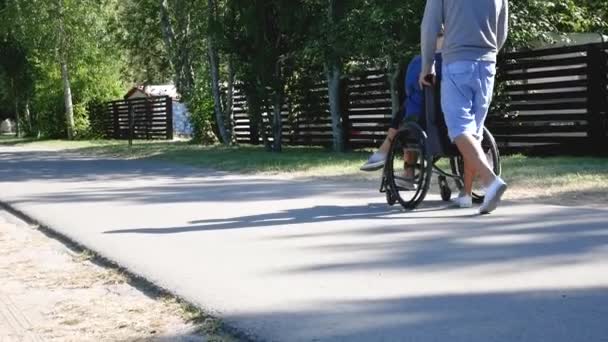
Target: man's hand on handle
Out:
[427,79]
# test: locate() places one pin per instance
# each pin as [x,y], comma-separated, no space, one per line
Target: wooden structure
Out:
[139,118]
[554,97]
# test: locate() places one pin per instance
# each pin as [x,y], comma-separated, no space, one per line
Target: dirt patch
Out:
[51,293]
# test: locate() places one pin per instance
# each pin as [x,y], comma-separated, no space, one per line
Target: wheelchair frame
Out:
[431,145]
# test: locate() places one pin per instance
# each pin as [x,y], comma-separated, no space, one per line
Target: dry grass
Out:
[75,299]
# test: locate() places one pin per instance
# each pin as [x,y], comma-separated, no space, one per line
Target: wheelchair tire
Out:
[493,156]
[413,138]
[390,199]
[444,189]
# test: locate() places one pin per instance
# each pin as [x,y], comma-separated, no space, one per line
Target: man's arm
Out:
[431,26]
[503,25]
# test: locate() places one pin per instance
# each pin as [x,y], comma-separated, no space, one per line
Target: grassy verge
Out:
[556,179]
[246,159]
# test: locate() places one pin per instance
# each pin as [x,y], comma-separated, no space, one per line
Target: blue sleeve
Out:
[412,75]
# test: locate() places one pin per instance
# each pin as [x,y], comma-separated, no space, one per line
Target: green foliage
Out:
[136,30]
[278,46]
[94,63]
[201,116]
[533,19]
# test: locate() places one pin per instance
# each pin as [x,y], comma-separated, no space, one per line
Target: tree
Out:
[265,38]
[214,69]
[334,54]
[17,70]
[72,56]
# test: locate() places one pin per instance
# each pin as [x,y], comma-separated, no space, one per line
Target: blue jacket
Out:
[414,96]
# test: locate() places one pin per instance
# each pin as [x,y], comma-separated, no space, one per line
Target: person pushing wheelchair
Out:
[474,32]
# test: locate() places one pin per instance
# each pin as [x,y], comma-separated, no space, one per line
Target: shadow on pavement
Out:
[563,315]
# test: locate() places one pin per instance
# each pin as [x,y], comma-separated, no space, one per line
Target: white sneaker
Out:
[375,162]
[493,196]
[406,183]
[464,201]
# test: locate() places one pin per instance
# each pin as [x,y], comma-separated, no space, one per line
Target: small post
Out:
[169,110]
[115,121]
[149,118]
[597,99]
[131,125]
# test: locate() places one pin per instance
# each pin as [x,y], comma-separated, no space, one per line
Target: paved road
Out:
[298,260]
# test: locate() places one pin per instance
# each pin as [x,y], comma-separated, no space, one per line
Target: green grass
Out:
[10,139]
[308,161]
[556,170]
[245,158]
[529,177]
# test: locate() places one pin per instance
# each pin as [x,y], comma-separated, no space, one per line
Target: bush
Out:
[201,109]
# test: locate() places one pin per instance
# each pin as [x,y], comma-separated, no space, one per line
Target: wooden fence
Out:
[367,112]
[139,118]
[555,96]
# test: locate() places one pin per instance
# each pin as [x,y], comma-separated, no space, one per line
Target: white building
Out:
[182,125]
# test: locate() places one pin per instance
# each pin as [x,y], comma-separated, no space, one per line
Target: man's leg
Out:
[469,177]
[466,93]
[475,161]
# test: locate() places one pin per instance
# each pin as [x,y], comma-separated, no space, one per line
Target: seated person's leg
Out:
[377,160]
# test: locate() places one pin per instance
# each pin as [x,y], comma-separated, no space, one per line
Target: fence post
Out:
[597,98]
[169,110]
[115,121]
[149,117]
[345,110]
[131,124]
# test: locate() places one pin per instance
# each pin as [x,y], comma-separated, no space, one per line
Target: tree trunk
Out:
[65,75]
[67,97]
[333,82]
[215,81]
[28,116]
[277,105]
[230,101]
[168,36]
[217,99]
[277,124]
[266,110]
[17,119]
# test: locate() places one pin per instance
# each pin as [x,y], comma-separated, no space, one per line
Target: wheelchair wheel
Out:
[444,189]
[408,183]
[390,198]
[492,156]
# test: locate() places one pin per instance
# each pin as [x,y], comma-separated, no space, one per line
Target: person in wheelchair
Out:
[413,110]
[475,30]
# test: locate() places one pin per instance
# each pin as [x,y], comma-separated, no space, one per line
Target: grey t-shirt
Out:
[475,30]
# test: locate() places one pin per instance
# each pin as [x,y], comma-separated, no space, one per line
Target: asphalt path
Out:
[326,260]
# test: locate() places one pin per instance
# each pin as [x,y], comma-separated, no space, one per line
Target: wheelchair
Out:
[427,143]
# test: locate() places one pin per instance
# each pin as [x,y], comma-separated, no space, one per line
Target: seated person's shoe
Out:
[406,183]
[464,201]
[493,196]
[375,162]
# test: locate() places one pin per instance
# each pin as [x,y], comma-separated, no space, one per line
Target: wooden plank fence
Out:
[367,112]
[555,97]
[148,118]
